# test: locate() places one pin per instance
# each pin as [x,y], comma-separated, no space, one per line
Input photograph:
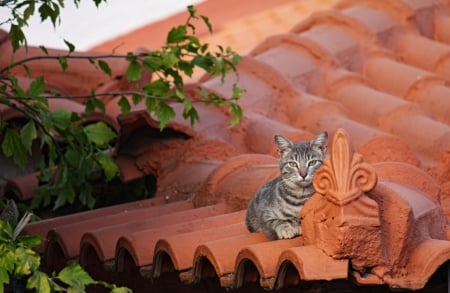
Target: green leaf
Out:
[177,34]
[153,61]
[236,110]
[192,114]
[136,99]
[30,241]
[67,195]
[27,261]
[17,36]
[234,60]
[27,70]
[46,11]
[237,92]
[134,71]
[203,94]
[164,114]
[69,45]
[192,11]
[104,66]
[13,146]
[4,278]
[27,134]
[169,59]
[63,62]
[52,153]
[99,133]
[157,88]
[121,290]
[207,23]
[29,11]
[74,276]
[131,57]
[44,50]
[186,67]
[94,103]
[7,259]
[86,197]
[72,156]
[15,86]
[39,281]
[97,2]
[6,231]
[204,62]
[152,105]
[61,119]
[125,106]
[109,167]
[37,87]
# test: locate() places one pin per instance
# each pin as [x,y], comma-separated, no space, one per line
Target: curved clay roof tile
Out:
[264,255]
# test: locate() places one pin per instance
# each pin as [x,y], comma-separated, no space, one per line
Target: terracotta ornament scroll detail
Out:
[344,177]
[341,219]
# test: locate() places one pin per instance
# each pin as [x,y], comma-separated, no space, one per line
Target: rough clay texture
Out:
[373,74]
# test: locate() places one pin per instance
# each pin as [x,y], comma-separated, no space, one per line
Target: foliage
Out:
[19,265]
[75,153]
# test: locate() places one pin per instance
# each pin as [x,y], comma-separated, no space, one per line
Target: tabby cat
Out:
[276,206]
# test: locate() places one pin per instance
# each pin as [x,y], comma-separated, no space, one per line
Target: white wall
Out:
[88,25]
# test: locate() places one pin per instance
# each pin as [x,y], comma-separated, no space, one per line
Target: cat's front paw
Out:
[288,231]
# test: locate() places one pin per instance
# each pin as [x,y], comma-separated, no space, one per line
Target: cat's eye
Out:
[293,164]
[312,163]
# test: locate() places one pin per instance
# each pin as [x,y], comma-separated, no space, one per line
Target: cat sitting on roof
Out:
[276,206]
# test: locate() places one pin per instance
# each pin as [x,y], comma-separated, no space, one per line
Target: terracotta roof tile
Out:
[182,250]
[379,70]
[309,261]
[242,27]
[265,256]
[110,227]
[42,227]
[137,242]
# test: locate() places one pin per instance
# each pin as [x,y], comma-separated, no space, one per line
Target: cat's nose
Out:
[302,174]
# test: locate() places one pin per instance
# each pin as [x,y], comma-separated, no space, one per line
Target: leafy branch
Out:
[74,153]
[18,261]
[63,137]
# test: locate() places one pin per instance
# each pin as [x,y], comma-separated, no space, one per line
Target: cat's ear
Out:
[320,141]
[283,144]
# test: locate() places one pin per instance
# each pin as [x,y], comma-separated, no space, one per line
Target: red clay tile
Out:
[22,187]
[42,227]
[137,244]
[377,69]
[105,231]
[128,169]
[441,21]
[79,72]
[156,33]
[103,241]
[183,251]
[417,212]
[264,256]
[426,258]
[310,264]
[221,254]
[228,183]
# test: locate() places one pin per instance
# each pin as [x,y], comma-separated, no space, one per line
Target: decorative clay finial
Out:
[344,177]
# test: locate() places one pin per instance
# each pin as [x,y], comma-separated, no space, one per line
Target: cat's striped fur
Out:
[276,206]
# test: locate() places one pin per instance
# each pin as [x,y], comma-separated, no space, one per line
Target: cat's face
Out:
[299,161]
